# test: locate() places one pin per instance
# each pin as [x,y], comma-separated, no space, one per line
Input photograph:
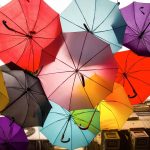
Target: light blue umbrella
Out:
[63,128]
[99,17]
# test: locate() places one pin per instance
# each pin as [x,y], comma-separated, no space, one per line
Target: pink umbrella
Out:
[82,74]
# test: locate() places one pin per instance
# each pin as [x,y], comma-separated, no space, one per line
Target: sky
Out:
[60,5]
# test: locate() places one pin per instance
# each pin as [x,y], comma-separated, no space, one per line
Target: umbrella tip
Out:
[118,3]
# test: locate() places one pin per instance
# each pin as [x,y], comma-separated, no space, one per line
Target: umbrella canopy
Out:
[137,34]
[24,33]
[99,17]
[12,136]
[28,104]
[133,74]
[61,127]
[4,100]
[82,73]
[115,109]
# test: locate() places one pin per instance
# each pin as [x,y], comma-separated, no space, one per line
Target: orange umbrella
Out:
[134,75]
[115,109]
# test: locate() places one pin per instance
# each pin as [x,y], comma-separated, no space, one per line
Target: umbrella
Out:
[12,136]
[115,109]
[99,17]
[24,33]
[4,100]
[28,104]
[137,33]
[82,73]
[133,74]
[61,127]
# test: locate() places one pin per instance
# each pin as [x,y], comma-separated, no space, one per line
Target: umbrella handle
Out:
[85,128]
[135,94]
[9,28]
[64,141]
[134,91]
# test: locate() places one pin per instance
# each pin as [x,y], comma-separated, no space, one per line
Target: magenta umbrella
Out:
[82,74]
[137,34]
[12,136]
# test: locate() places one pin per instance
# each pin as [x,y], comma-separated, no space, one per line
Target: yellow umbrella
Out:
[4,99]
[115,109]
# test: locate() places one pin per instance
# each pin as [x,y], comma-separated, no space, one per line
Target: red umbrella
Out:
[82,74]
[134,75]
[27,26]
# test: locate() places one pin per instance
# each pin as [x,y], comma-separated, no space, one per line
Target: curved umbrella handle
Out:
[64,141]
[135,94]
[85,128]
[134,91]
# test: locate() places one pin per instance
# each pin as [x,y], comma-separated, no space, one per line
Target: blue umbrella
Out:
[99,17]
[67,129]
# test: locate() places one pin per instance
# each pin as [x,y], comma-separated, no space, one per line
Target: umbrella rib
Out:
[15,88]
[114,101]
[126,62]
[134,16]
[97,83]
[72,90]
[84,112]
[135,39]
[13,22]
[81,13]
[33,60]
[110,29]
[64,115]
[60,85]
[137,71]
[53,56]
[22,52]
[55,122]
[69,52]
[134,35]
[26,111]
[106,17]
[24,16]
[47,24]
[37,16]
[86,92]
[15,78]
[112,114]
[3,132]
[145,43]
[43,37]
[139,80]
[13,46]
[71,134]
[96,69]
[145,21]
[83,135]
[54,73]
[135,31]
[82,49]
[136,63]
[107,41]
[94,15]
[12,35]
[73,23]
[94,56]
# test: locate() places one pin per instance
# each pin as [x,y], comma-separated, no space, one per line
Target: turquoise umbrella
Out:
[67,129]
[99,17]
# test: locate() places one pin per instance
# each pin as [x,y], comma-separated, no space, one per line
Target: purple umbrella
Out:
[137,34]
[12,136]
